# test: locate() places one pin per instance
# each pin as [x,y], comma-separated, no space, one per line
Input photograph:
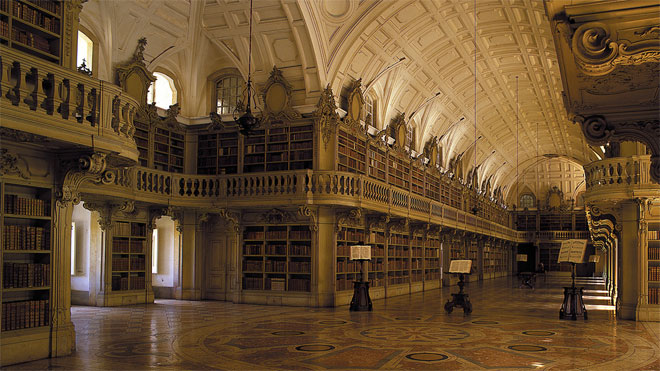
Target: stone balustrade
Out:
[296,187]
[65,105]
[619,174]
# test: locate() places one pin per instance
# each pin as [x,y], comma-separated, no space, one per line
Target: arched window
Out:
[85,52]
[228,92]
[162,91]
[369,111]
[527,201]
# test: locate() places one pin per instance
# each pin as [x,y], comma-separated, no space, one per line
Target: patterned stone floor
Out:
[510,328]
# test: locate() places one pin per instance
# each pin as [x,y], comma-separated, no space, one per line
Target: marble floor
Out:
[510,328]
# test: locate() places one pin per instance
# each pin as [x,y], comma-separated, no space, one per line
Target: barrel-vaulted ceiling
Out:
[320,42]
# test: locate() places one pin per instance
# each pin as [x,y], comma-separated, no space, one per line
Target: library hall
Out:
[330,184]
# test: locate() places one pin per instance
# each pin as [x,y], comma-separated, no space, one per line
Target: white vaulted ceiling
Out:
[319,42]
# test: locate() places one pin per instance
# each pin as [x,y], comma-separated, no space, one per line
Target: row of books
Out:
[654,253]
[300,267]
[4,6]
[350,235]
[126,246]
[398,265]
[25,237]
[32,40]
[253,265]
[19,275]
[300,250]
[26,206]
[276,235]
[301,155]
[654,235]
[275,266]
[654,273]
[36,17]
[654,292]
[50,5]
[136,263]
[121,283]
[298,284]
[397,252]
[253,283]
[4,29]
[276,250]
[24,314]
[399,239]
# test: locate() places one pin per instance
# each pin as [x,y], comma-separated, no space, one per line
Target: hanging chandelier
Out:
[247,122]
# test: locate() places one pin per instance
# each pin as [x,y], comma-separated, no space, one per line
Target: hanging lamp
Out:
[247,122]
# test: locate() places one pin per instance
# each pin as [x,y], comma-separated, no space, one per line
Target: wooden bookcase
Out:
[129,263]
[398,171]
[377,163]
[653,262]
[169,147]
[351,152]
[417,179]
[277,258]
[526,221]
[26,257]
[433,187]
[33,27]
[279,149]
[473,254]
[377,263]
[217,153]
[398,259]
[417,259]
[347,270]
[141,136]
[455,196]
[432,260]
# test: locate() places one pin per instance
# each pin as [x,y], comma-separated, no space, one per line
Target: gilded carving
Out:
[355,106]
[233,218]
[399,225]
[8,164]
[378,222]
[352,217]
[170,120]
[87,168]
[136,69]
[216,122]
[326,115]
[398,130]
[305,212]
[105,213]
[277,99]
[276,215]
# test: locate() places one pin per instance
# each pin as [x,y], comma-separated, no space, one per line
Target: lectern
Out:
[460,299]
[361,300]
[572,251]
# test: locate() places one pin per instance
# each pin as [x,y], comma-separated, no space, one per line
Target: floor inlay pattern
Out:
[509,328]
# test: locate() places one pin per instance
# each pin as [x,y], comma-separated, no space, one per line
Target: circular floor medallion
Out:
[485,322]
[527,348]
[315,348]
[332,322]
[538,333]
[427,357]
[287,333]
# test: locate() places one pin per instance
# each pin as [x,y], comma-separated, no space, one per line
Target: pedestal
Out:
[573,306]
[460,299]
[361,300]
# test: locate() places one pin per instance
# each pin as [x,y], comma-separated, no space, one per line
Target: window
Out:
[73,248]
[85,51]
[527,201]
[154,251]
[369,111]
[162,91]
[228,93]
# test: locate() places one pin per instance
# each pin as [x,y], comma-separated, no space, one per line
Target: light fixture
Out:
[247,122]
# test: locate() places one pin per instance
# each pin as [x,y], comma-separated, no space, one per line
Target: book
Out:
[360,252]
[460,266]
[572,251]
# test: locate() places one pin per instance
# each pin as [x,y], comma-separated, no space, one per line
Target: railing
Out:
[619,173]
[301,186]
[553,235]
[77,108]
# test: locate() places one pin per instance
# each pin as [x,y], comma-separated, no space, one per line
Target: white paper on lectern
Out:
[460,266]
[572,251]
[521,257]
[360,252]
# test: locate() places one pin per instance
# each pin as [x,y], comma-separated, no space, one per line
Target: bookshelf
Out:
[549,255]
[432,259]
[398,171]
[217,153]
[351,152]
[526,221]
[33,27]
[279,148]
[277,258]
[417,260]
[128,263]
[377,163]
[432,187]
[141,136]
[473,254]
[347,270]
[417,180]
[26,257]
[398,259]
[168,149]
[653,263]
[377,263]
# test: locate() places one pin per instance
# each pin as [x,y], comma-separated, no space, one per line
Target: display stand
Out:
[527,279]
[361,300]
[461,300]
[572,308]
